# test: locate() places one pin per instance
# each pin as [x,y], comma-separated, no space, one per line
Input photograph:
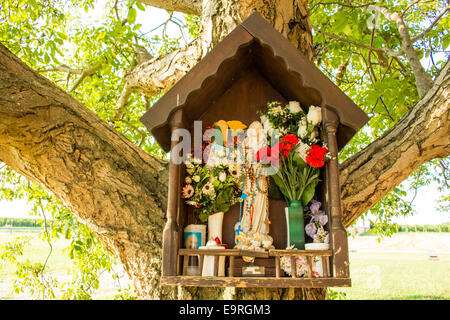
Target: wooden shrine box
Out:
[253,65]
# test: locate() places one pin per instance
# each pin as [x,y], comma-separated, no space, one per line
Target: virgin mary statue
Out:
[252,230]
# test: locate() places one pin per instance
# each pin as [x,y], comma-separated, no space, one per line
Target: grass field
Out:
[395,275]
[395,268]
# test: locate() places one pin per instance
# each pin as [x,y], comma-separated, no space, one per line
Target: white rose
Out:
[314,134]
[188,180]
[314,115]
[302,128]
[196,178]
[294,107]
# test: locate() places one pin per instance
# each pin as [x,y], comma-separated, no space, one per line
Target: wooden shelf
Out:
[252,253]
[255,282]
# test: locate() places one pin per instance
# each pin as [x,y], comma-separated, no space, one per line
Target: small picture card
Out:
[192,240]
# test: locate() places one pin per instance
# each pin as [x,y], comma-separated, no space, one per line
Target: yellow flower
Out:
[236,125]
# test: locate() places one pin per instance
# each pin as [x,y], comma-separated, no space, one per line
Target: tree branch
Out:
[61,68]
[423,79]
[361,45]
[158,74]
[86,73]
[420,136]
[185,6]
[435,22]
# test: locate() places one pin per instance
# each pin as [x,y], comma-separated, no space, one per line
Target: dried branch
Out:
[85,73]
[122,102]
[62,68]
[82,72]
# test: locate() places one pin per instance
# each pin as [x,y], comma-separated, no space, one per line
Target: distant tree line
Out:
[443,227]
[21,222]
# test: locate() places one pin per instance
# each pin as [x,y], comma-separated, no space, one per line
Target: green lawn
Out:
[405,276]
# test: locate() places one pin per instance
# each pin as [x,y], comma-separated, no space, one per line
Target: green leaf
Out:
[131,18]
[140,6]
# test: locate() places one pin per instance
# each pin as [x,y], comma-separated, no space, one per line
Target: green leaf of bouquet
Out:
[274,190]
[300,163]
[308,193]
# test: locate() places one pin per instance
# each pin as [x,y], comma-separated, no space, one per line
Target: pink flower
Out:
[188,191]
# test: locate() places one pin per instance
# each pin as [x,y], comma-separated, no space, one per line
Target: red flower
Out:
[318,152]
[315,156]
[314,162]
[290,139]
[288,147]
[284,148]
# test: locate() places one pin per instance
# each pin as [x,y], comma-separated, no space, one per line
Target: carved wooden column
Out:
[338,234]
[170,233]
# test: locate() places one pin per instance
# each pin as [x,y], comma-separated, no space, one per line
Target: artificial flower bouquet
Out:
[315,228]
[212,183]
[298,155]
[294,159]
[210,189]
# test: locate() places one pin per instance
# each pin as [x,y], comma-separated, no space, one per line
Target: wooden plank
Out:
[179,265]
[309,265]
[231,267]
[276,252]
[293,267]
[200,264]
[221,252]
[250,253]
[247,282]
[185,264]
[325,266]
[216,266]
[277,267]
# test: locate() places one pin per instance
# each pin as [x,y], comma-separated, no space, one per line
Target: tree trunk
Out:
[119,191]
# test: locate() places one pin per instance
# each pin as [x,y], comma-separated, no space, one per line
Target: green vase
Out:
[296,224]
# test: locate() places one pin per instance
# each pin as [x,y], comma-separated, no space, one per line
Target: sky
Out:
[424,204]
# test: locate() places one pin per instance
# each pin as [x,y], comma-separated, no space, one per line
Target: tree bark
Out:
[119,191]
